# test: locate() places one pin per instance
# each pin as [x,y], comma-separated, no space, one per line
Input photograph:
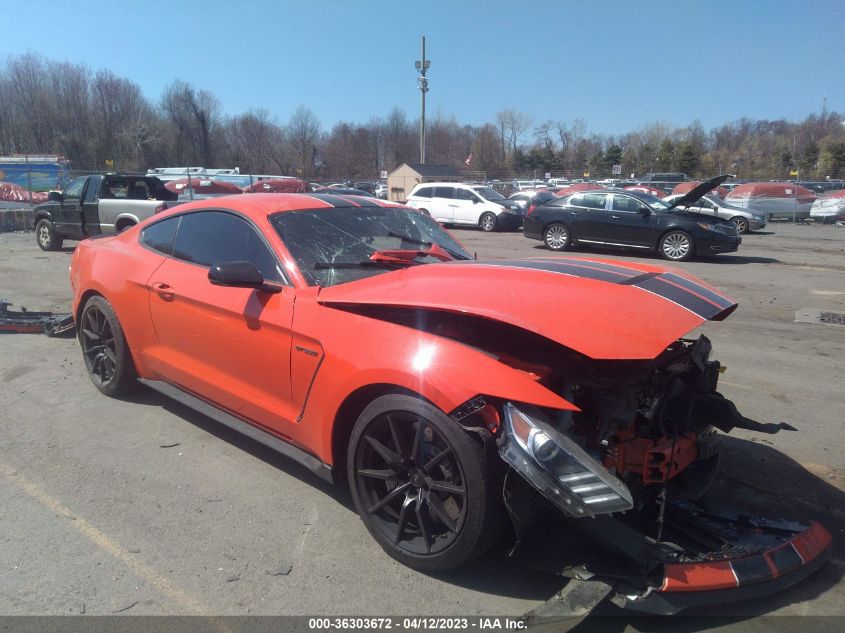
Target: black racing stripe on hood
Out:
[679,290]
[572,269]
[698,289]
[584,262]
[684,298]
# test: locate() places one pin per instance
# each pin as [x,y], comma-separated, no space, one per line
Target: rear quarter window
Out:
[160,236]
[594,200]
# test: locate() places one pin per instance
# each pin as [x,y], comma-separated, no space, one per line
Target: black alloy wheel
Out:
[419,484]
[104,349]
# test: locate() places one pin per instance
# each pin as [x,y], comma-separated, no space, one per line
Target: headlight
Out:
[557,467]
[727,229]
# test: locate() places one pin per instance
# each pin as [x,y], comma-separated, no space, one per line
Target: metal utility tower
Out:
[422,66]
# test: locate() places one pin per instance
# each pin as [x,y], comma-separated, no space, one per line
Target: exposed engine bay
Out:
[650,423]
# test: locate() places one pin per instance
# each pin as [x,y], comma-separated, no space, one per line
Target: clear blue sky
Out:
[618,65]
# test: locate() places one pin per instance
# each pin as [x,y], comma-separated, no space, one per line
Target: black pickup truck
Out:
[90,205]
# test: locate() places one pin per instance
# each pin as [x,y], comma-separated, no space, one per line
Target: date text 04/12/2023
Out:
[417,623]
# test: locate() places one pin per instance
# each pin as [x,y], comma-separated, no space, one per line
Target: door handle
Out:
[164,291]
[616,217]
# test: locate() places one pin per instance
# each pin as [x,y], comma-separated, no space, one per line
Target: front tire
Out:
[676,246]
[45,235]
[556,237]
[105,350]
[742,225]
[420,484]
[488,222]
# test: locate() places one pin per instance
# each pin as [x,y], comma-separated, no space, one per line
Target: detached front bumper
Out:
[701,557]
[717,582]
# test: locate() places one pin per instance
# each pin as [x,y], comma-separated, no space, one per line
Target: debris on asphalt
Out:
[232,578]
[126,608]
[169,445]
[25,322]
[134,550]
[282,570]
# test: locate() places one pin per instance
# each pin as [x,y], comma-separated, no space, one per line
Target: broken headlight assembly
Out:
[557,467]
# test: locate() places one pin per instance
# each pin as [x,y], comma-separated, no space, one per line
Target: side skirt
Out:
[323,470]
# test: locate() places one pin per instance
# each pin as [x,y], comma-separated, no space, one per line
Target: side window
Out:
[465,194]
[577,200]
[73,192]
[210,237]
[594,200]
[444,192]
[159,236]
[91,191]
[425,192]
[625,203]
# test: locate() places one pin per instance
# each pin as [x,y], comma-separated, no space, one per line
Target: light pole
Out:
[422,66]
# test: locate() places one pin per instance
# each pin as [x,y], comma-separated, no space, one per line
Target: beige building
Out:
[405,177]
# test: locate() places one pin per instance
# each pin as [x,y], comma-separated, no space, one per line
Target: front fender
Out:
[361,352]
[42,212]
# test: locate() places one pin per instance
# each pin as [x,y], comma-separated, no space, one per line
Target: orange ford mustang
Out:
[361,339]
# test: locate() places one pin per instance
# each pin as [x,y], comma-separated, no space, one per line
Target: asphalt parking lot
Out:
[141,506]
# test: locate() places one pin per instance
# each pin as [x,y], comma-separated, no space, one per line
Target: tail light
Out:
[160,208]
[531,208]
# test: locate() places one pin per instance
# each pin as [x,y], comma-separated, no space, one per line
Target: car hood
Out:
[602,309]
[694,194]
[699,218]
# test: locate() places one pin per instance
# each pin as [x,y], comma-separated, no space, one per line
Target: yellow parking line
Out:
[105,543]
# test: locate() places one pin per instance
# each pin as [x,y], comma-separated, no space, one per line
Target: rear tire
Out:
[45,235]
[105,350]
[420,484]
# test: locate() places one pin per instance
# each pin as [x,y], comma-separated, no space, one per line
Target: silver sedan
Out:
[745,220]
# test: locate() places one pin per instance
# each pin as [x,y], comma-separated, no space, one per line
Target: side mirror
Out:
[54,196]
[644,211]
[239,275]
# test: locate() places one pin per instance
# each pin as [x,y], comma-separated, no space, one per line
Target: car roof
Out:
[259,205]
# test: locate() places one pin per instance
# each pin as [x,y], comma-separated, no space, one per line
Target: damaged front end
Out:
[628,467]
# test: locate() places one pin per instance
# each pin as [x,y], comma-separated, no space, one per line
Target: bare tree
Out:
[400,140]
[303,134]
[255,143]
[513,125]
[194,114]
